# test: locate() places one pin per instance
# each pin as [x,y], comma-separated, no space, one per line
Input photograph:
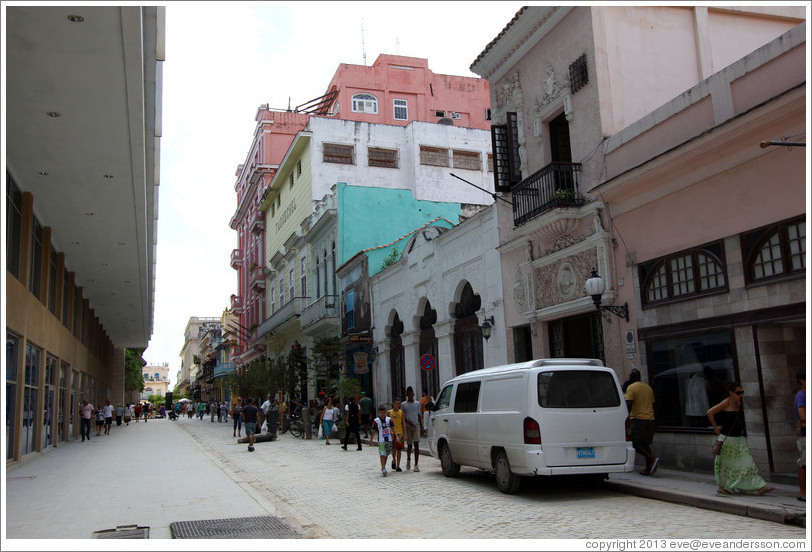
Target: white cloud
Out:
[225,59]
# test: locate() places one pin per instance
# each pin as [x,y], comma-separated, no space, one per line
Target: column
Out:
[446,361]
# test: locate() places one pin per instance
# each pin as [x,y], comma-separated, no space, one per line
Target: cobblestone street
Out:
[329,493]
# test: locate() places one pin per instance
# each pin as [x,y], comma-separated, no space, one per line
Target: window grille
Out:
[505,144]
[339,153]
[379,157]
[437,157]
[579,77]
[775,251]
[466,160]
[684,274]
[401,110]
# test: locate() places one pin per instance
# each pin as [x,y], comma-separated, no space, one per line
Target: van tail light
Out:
[532,432]
[628,429]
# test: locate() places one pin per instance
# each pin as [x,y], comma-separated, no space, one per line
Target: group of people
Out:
[104,415]
[733,465]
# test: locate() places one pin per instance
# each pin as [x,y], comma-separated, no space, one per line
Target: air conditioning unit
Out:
[455,115]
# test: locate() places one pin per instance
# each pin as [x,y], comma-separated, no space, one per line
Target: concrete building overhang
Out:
[82,124]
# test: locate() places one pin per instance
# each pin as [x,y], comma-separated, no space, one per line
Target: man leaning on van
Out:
[640,400]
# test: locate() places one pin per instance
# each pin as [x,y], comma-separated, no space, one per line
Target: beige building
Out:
[156,380]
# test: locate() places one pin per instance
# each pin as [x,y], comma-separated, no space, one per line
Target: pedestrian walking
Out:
[250,415]
[162,411]
[382,426]
[99,422]
[147,410]
[396,414]
[734,467]
[212,410]
[414,428]
[352,416]
[138,410]
[640,401]
[424,414]
[366,413]
[800,414]
[236,410]
[328,418]
[119,414]
[223,412]
[108,410]
[128,413]
[85,415]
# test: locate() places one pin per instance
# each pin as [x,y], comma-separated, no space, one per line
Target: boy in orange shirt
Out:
[399,430]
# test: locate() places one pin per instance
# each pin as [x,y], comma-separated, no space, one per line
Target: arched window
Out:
[397,359]
[364,103]
[685,274]
[776,251]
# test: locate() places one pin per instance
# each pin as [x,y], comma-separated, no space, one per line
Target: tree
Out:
[327,356]
[133,363]
[346,387]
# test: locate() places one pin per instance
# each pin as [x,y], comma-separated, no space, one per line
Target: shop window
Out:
[689,375]
[12,358]
[683,275]
[14,210]
[775,251]
[31,398]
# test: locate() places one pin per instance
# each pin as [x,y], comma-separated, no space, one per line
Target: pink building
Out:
[395,90]
[586,98]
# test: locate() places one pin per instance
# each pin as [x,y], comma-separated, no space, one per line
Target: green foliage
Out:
[390,259]
[133,363]
[156,400]
[327,355]
[345,387]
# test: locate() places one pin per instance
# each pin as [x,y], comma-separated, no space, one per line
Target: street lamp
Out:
[595,286]
[486,327]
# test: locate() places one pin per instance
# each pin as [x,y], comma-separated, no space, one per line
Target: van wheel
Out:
[450,468]
[506,481]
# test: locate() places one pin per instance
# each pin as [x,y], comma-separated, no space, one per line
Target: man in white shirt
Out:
[264,408]
[108,410]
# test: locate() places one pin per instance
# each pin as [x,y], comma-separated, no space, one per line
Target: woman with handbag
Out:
[733,466]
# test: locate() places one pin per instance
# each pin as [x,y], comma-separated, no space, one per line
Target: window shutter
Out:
[514,162]
[501,170]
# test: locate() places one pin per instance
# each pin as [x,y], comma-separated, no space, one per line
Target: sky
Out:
[225,59]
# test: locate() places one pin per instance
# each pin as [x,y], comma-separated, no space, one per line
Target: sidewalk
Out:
[140,475]
[699,490]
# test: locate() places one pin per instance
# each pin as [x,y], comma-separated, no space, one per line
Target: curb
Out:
[775,514]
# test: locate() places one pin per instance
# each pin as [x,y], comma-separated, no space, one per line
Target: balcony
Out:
[236,305]
[323,308]
[258,222]
[225,369]
[257,278]
[290,310]
[236,259]
[556,185]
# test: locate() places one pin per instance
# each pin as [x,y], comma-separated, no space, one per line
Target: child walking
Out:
[382,425]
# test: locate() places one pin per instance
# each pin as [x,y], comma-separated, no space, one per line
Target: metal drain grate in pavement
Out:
[123,532]
[263,527]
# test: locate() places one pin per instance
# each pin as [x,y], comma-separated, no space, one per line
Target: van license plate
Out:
[586,452]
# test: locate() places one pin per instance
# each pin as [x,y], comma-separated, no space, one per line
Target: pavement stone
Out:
[196,470]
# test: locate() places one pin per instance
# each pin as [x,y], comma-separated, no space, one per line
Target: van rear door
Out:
[582,417]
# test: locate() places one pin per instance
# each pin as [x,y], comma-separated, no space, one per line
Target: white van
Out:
[543,417]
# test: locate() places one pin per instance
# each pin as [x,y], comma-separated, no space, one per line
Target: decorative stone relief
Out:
[567,280]
[554,280]
[552,90]
[520,291]
[506,91]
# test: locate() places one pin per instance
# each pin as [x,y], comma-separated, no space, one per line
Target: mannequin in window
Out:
[696,400]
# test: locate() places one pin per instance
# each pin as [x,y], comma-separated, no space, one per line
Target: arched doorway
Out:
[430,381]
[467,333]
[397,359]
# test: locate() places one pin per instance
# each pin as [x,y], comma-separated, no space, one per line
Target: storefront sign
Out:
[361,362]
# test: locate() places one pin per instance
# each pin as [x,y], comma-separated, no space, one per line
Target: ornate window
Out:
[685,274]
[775,251]
[364,103]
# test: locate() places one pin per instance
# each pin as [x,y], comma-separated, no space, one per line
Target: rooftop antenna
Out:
[363,48]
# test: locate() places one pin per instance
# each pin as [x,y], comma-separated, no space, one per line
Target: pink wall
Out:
[425,91]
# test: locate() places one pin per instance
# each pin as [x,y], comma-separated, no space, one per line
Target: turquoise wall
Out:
[371,217]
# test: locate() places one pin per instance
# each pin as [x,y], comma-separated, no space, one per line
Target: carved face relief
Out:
[566,280]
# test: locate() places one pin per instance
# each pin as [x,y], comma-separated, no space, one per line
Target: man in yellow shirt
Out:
[640,400]
[399,430]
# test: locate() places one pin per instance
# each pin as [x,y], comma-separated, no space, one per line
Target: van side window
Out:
[445,398]
[467,397]
[577,389]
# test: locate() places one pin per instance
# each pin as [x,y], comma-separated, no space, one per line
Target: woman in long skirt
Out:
[734,467]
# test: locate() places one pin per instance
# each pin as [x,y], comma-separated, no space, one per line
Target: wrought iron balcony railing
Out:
[556,185]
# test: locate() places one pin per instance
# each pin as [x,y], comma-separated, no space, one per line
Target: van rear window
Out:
[577,389]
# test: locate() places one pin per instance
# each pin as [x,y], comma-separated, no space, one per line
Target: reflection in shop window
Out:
[689,375]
